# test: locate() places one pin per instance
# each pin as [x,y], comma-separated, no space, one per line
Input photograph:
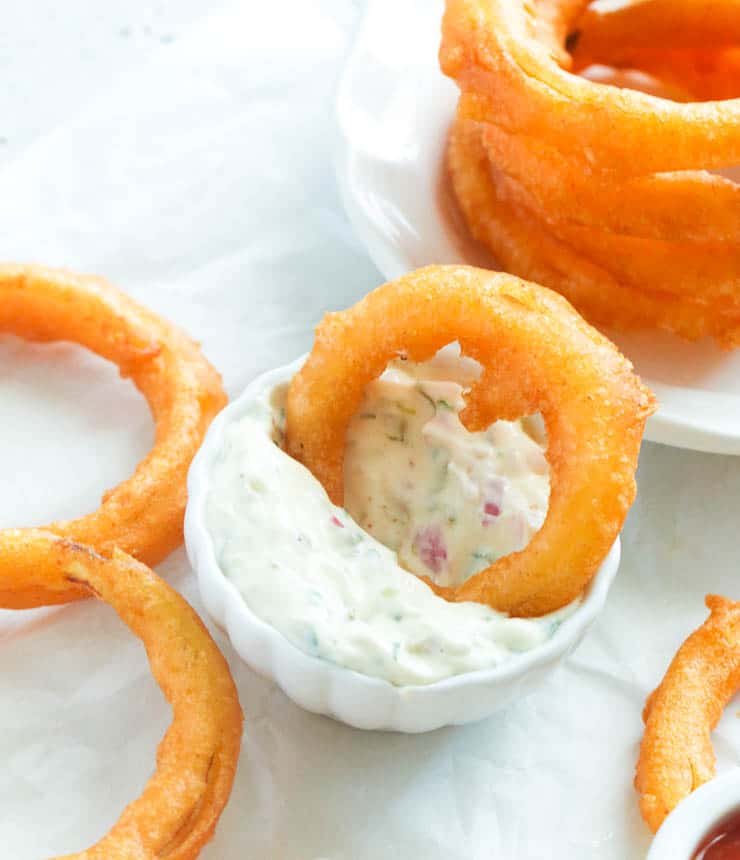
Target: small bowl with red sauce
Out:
[705,826]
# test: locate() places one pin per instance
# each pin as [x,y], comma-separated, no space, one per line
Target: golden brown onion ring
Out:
[177,812]
[694,206]
[696,75]
[529,251]
[705,272]
[143,516]
[676,754]
[489,47]
[538,356]
[704,24]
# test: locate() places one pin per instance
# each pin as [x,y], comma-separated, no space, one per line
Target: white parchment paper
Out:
[187,155]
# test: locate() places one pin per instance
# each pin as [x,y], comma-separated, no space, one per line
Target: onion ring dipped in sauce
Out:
[538,356]
[177,812]
[420,491]
[676,754]
[143,516]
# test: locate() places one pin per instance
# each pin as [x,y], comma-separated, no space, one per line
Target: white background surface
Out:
[189,158]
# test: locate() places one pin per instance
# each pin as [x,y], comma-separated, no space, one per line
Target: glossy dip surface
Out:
[723,843]
[306,567]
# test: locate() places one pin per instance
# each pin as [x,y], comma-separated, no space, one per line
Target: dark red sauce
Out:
[722,843]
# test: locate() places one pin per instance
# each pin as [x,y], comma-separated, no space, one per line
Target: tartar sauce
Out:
[306,567]
[449,502]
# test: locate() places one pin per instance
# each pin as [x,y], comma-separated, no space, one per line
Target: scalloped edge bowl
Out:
[327,688]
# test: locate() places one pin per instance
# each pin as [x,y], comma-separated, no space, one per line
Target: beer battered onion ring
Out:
[523,245]
[177,812]
[676,754]
[513,78]
[602,192]
[143,516]
[688,74]
[537,355]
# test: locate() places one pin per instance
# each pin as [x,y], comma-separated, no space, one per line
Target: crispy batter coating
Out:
[702,24]
[676,754]
[143,516]
[684,74]
[525,247]
[515,81]
[537,355]
[177,812]
[602,192]
[697,206]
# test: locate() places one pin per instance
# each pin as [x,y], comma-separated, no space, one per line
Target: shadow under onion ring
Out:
[177,812]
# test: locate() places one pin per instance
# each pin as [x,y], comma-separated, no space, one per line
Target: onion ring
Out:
[702,24]
[537,355]
[529,251]
[600,192]
[707,76]
[676,754]
[143,516]
[706,272]
[510,78]
[695,206]
[178,810]
[688,75]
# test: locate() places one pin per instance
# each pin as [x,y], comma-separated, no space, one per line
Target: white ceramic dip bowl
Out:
[325,687]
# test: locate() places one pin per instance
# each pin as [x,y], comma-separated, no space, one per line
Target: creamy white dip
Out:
[449,502]
[306,567]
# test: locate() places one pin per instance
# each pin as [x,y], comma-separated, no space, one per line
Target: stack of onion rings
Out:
[143,516]
[538,355]
[676,754]
[599,192]
[177,812]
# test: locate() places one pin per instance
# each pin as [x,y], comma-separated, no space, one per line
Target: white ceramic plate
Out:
[394,109]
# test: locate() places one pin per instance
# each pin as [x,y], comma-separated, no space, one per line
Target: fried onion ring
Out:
[599,191]
[705,271]
[177,812]
[646,23]
[143,516]
[537,355]
[513,80]
[676,754]
[530,251]
[694,205]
